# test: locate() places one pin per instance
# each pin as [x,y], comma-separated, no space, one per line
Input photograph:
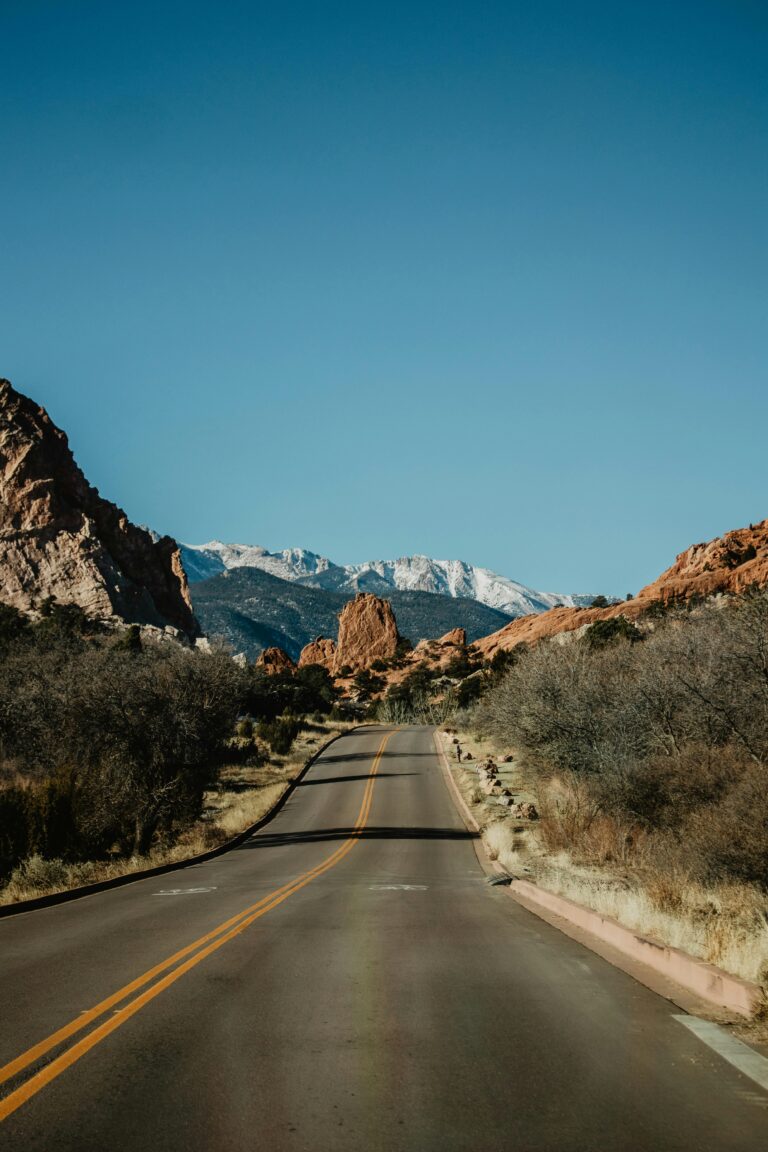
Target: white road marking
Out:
[182,891]
[398,887]
[740,1055]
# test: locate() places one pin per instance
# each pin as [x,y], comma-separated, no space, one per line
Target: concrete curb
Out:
[703,980]
[696,976]
[132,877]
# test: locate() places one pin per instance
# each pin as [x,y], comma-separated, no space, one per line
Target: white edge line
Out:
[740,1055]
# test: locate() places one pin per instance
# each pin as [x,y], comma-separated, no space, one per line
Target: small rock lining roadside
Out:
[497,778]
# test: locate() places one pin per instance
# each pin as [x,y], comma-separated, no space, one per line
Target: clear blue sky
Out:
[477,280]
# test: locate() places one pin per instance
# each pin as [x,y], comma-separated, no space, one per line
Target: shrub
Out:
[667,739]
[469,691]
[14,828]
[129,640]
[13,624]
[505,658]
[729,839]
[604,632]
[367,683]
[280,733]
[122,743]
[460,665]
[309,689]
[38,873]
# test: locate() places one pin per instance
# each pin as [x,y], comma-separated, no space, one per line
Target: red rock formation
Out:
[320,651]
[531,629]
[275,661]
[457,637]
[59,538]
[367,632]
[729,564]
[437,654]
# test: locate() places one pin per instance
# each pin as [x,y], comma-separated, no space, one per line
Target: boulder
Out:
[524,811]
[321,651]
[275,661]
[457,637]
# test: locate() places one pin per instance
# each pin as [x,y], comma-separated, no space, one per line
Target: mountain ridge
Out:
[451,578]
[731,564]
[253,610]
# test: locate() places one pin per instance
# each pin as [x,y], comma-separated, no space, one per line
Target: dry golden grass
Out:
[245,794]
[725,925]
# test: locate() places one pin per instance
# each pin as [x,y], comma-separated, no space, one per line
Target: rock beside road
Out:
[524,811]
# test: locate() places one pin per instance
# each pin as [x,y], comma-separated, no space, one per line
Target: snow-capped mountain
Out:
[410,573]
[201,561]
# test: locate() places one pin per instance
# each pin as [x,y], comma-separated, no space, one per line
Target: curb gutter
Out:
[131,877]
[696,976]
[702,979]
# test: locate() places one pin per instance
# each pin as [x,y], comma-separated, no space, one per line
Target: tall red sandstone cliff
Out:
[367,632]
[59,538]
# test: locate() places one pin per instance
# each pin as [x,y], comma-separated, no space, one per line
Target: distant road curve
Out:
[346,979]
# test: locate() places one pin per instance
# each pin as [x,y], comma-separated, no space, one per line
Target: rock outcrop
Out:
[728,564]
[437,654]
[275,662]
[367,632]
[59,538]
[457,638]
[320,651]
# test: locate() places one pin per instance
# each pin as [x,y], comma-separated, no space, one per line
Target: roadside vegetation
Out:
[431,693]
[118,753]
[646,748]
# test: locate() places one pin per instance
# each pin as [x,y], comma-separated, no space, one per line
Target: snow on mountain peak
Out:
[417,573]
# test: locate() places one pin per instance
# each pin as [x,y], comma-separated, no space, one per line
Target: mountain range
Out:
[61,541]
[252,609]
[449,578]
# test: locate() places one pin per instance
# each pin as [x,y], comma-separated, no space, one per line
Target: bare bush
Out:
[659,742]
[117,744]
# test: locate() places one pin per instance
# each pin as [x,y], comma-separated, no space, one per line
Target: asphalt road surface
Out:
[345,980]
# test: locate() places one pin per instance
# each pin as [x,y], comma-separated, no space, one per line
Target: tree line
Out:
[108,741]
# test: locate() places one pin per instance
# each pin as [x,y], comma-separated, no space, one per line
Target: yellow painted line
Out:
[211,942]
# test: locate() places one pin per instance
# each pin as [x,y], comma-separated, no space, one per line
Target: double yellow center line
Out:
[185,959]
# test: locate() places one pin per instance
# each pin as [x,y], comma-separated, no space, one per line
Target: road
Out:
[385,998]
